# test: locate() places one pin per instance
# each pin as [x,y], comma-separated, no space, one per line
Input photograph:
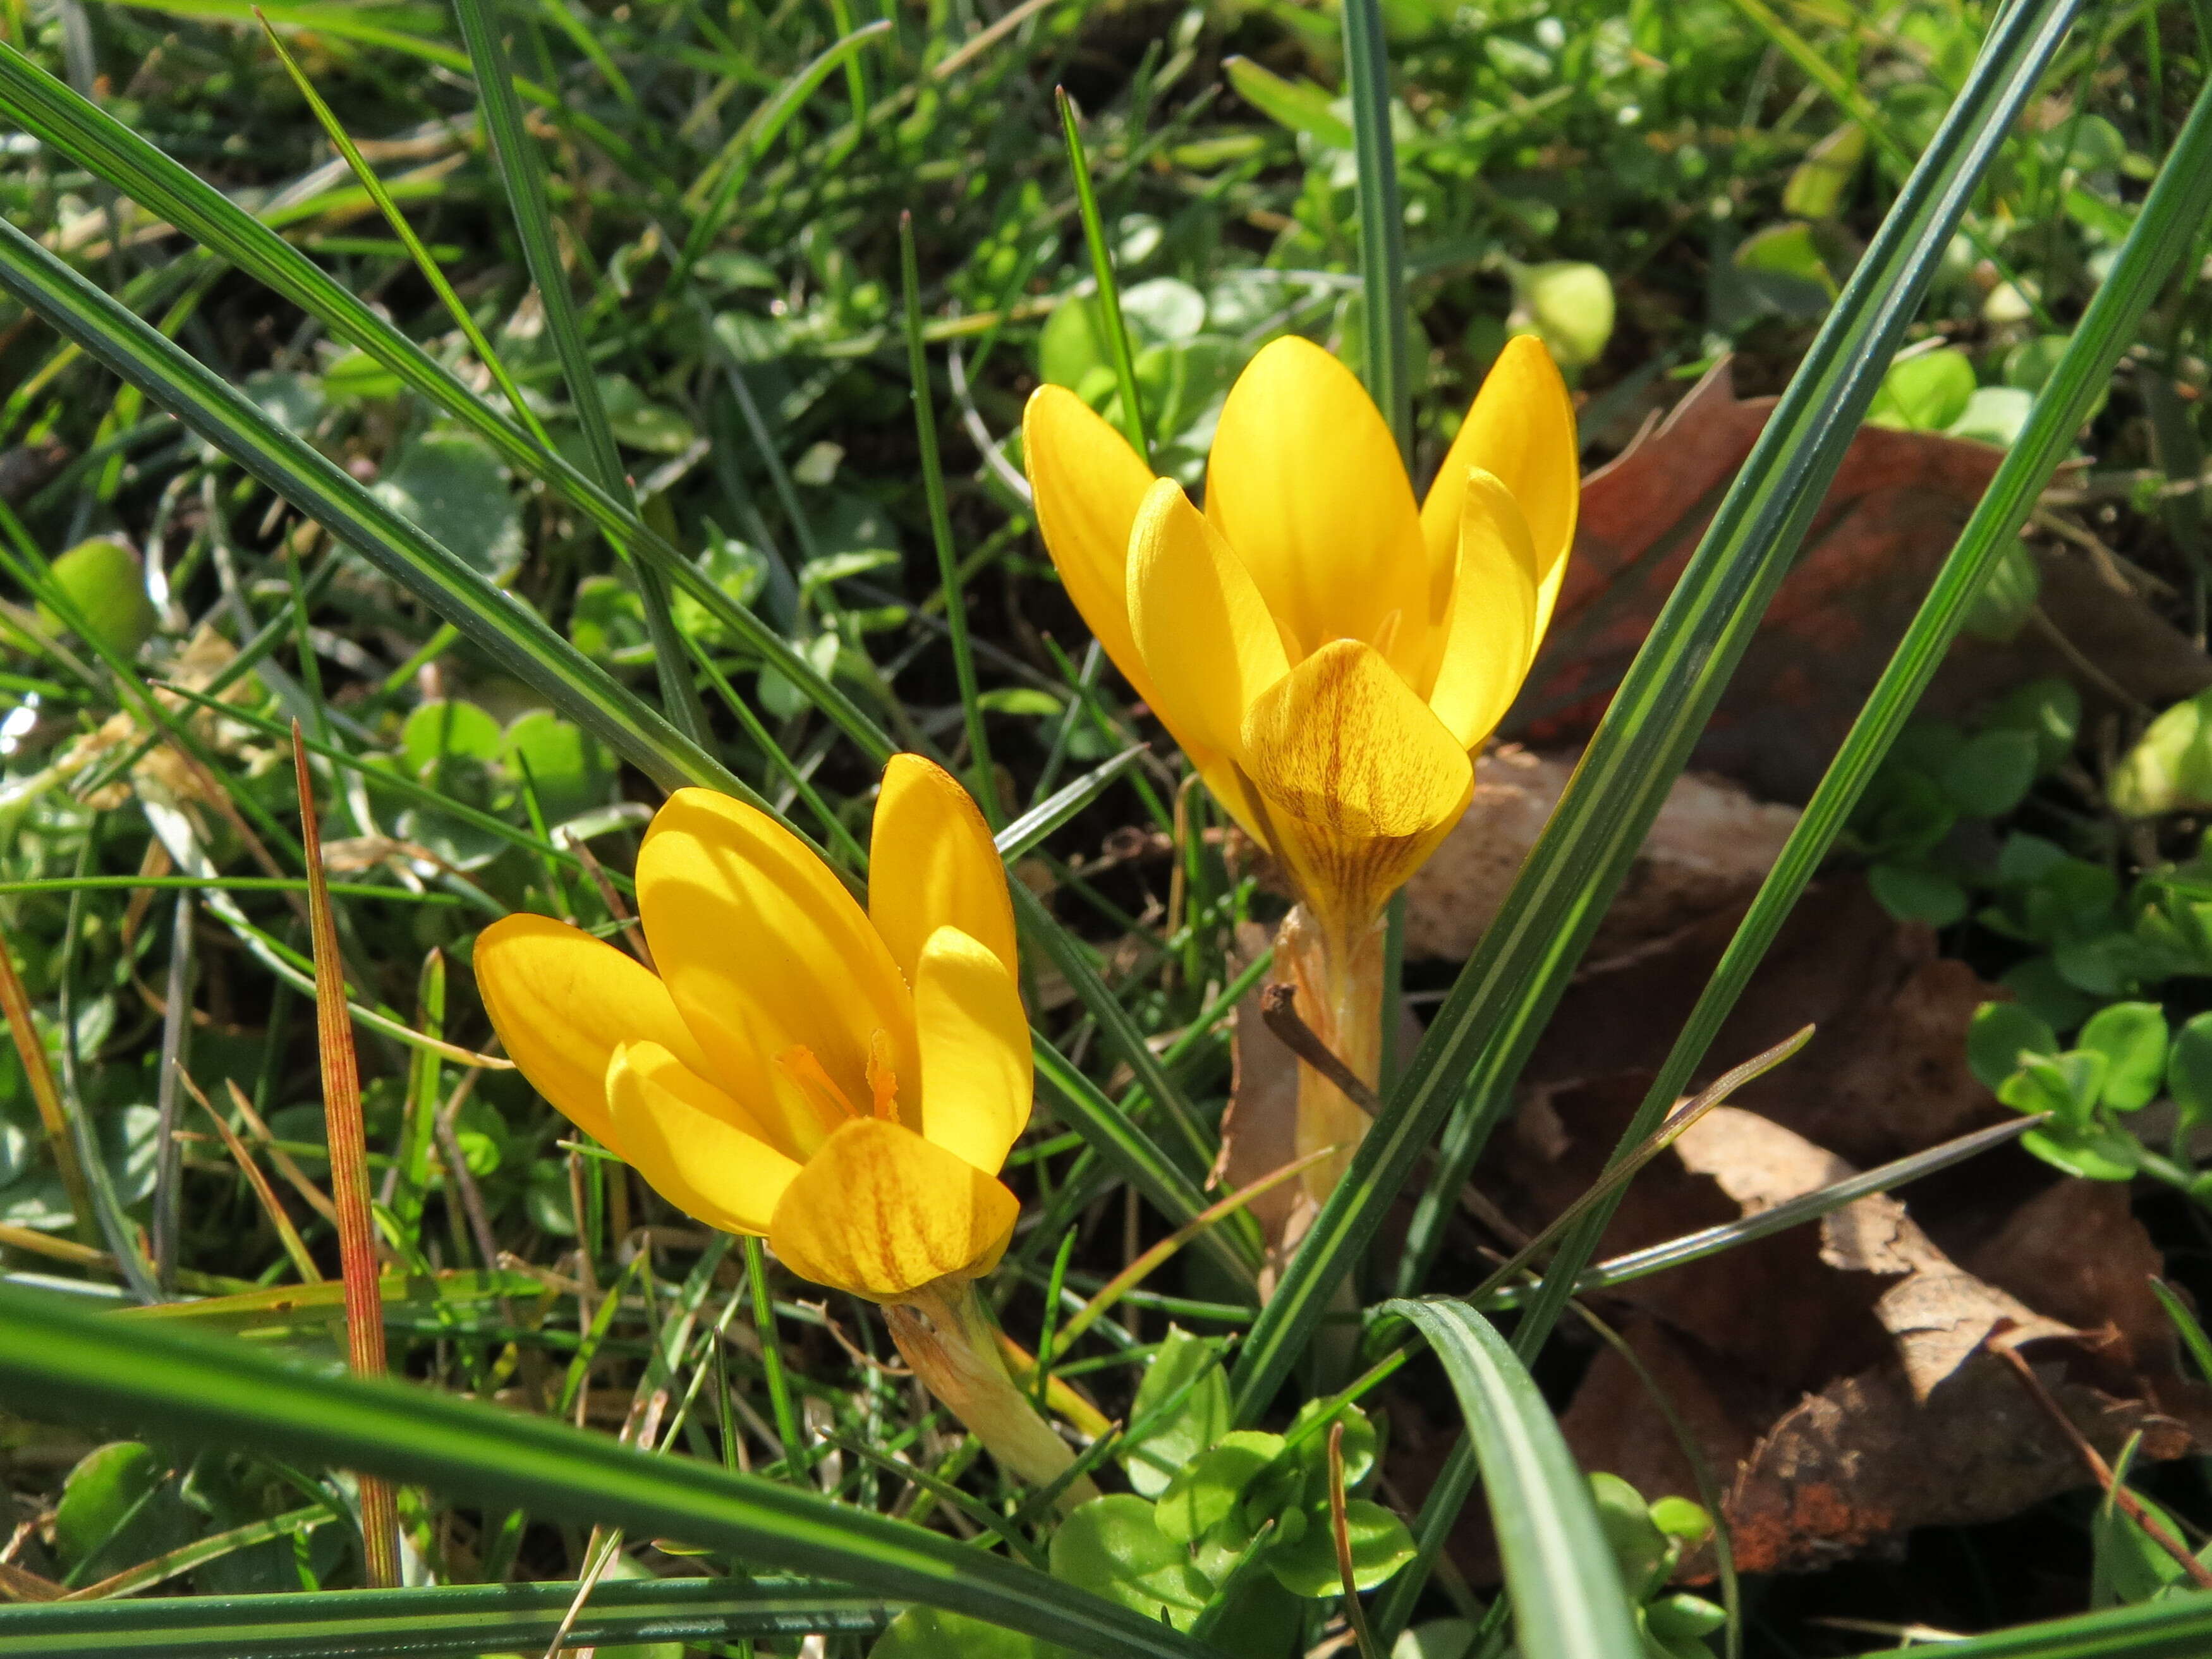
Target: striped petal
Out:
[880,1211]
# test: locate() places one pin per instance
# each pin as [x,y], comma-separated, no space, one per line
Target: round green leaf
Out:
[570,769]
[1208,1489]
[108,1484]
[1112,1547]
[2000,1035]
[1380,1545]
[447,729]
[106,587]
[2170,767]
[453,486]
[1990,773]
[2189,1070]
[1924,393]
[929,1633]
[2131,1036]
[1153,1459]
[1913,892]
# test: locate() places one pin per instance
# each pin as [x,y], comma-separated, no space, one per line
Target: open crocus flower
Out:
[846,1083]
[1327,652]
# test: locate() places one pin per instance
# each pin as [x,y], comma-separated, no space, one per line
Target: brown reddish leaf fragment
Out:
[1937,1313]
[1710,847]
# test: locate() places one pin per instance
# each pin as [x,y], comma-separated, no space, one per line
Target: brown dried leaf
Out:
[1937,1313]
[1710,847]
[1896,507]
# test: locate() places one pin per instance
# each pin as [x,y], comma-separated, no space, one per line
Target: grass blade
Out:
[1119,1032]
[984,785]
[2171,218]
[1381,218]
[1508,988]
[53,1117]
[1568,1602]
[468,1619]
[519,639]
[522,171]
[56,1356]
[1102,268]
[97,141]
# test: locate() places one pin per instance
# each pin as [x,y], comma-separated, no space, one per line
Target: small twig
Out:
[1339,1520]
[287,1234]
[1278,1008]
[458,1176]
[2094,1461]
[318,1200]
[610,898]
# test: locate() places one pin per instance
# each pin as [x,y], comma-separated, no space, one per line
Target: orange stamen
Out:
[883,1080]
[831,1103]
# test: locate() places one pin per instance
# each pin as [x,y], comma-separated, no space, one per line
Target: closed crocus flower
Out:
[845,1082]
[1328,652]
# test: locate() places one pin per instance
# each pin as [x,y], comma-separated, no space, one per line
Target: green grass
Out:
[712,479]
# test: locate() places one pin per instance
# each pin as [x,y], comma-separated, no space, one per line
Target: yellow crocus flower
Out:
[1328,652]
[846,1083]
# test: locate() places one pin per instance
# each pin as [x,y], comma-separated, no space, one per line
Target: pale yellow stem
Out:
[947,1337]
[1338,980]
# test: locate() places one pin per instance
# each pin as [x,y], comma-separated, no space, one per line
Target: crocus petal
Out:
[1200,622]
[932,865]
[881,1212]
[562,1001]
[695,1146]
[1359,780]
[1492,635]
[1521,429]
[977,1070]
[1088,483]
[764,951]
[1306,484]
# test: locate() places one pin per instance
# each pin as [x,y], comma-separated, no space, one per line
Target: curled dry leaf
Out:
[1830,1377]
[1937,1313]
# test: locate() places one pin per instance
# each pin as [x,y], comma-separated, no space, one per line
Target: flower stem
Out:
[1338,977]
[947,1337]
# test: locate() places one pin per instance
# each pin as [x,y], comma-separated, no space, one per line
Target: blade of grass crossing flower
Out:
[1047,815]
[984,785]
[2164,231]
[1382,219]
[1102,269]
[349,1147]
[81,130]
[1506,991]
[522,172]
[520,640]
[56,1355]
[1568,1602]
[463,319]
[1134,1156]
[1122,1038]
[468,1619]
